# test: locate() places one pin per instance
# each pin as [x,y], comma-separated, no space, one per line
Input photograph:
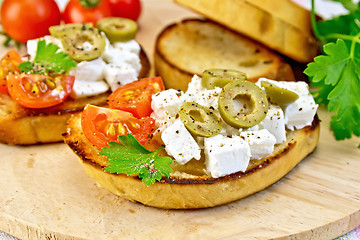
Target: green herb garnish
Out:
[130,157]
[336,73]
[48,60]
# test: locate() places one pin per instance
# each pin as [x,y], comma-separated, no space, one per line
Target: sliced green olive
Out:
[118,29]
[212,78]
[84,45]
[277,95]
[59,31]
[242,104]
[199,120]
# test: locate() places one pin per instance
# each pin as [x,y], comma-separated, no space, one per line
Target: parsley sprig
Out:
[336,74]
[130,157]
[48,60]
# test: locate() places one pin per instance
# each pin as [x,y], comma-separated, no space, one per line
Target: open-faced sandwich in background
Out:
[221,140]
[76,65]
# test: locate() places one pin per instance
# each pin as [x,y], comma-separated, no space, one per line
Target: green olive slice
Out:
[118,29]
[277,95]
[242,104]
[59,31]
[215,77]
[84,45]
[199,120]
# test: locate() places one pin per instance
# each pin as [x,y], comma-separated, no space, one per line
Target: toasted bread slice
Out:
[281,25]
[188,186]
[194,45]
[25,126]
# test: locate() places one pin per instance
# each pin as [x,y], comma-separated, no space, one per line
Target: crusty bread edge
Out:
[172,73]
[260,25]
[183,193]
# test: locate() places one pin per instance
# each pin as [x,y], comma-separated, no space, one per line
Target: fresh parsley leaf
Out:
[130,157]
[335,75]
[48,60]
[26,67]
[338,71]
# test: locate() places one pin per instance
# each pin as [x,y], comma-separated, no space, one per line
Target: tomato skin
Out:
[98,123]
[75,13]
[21,86]
[126,8]
[135,97]
[29,19]
[8,64]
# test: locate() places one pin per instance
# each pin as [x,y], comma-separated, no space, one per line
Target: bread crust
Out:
[189,47]
[25,126]
[183,190]
[264,22]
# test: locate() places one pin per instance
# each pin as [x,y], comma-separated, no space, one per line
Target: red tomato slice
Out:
[135,97]
[39,91]
[102,125]
[8,64]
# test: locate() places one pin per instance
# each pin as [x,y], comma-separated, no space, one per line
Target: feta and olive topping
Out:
[101,64]
[199,119]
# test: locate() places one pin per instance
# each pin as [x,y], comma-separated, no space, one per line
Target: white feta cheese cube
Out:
[120,57]
[274,122]
[31,45]
[83,88]
[166,104]
[261,142]
[227,130]
[117,75]
[206,98]
[300,113]
[179,143]
[89,70]
[162,124]
[195,85]
[225,155]
[130,46]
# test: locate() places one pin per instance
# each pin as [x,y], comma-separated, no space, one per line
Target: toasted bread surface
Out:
[25,126]
[280,25]
[194,45]
[188,186]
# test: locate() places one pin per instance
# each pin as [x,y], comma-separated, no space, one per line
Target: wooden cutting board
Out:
[45,193]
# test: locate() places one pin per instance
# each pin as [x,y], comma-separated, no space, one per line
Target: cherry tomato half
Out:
[126,8]
[75,12]
[135,97]
[39,91]
[102,125]
[8,64]
[29,19]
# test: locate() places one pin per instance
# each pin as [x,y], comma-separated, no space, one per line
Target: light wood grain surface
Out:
[45,193]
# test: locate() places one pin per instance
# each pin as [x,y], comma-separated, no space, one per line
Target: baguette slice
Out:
[193,45]
[281,25]
[25,126]
[188,187]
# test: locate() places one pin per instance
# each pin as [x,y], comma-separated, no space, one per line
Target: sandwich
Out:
[191,152]
[76,65]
